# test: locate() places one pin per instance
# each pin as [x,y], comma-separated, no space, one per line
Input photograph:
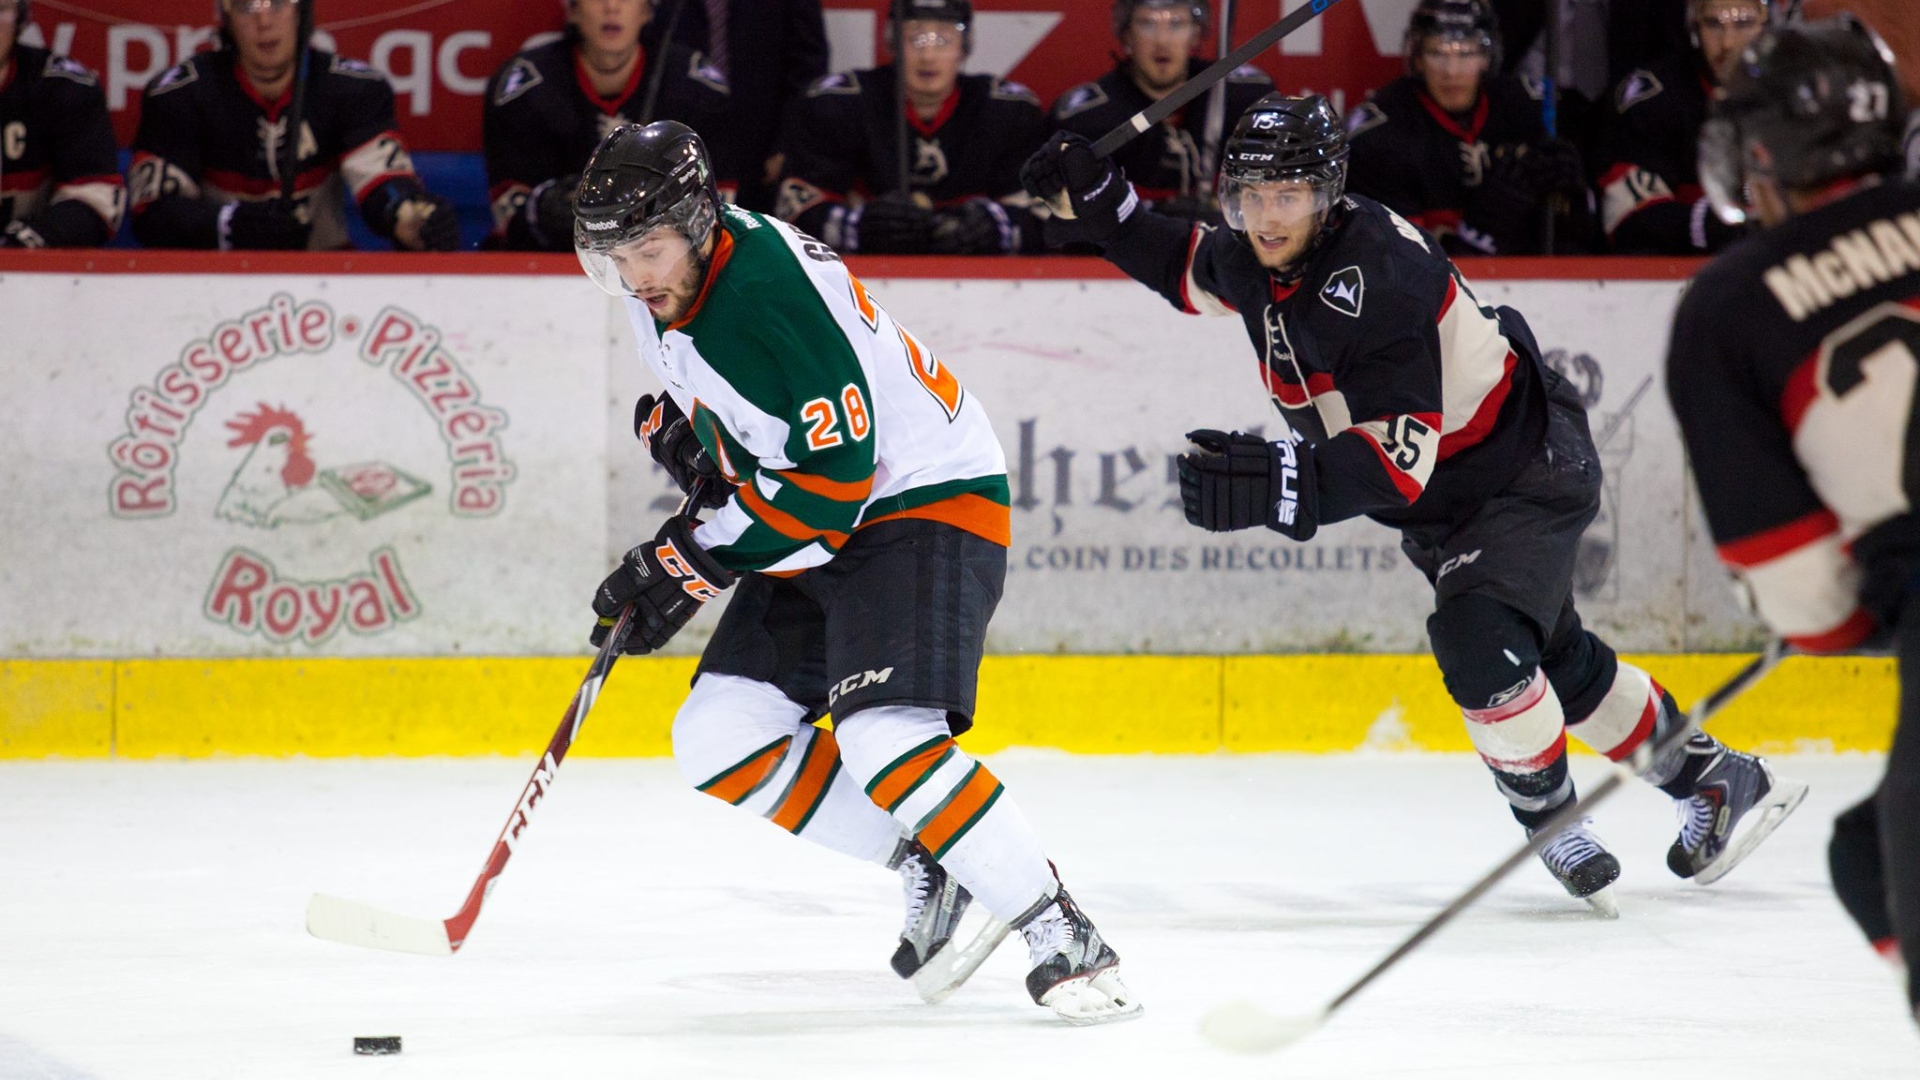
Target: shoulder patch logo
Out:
[173,79]
[839,82]
[704,72]
[354,69]
[520,77]
[1247,73]
[1344,290]
[1637,87]
[61,67]
[1365,117]
[1535,88]
[1008,90]
[1078,100]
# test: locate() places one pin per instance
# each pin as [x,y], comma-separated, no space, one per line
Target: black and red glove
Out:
[666,579]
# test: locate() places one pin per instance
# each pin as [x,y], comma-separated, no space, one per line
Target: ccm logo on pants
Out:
[854,682]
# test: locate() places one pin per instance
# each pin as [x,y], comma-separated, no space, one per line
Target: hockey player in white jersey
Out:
[863,526]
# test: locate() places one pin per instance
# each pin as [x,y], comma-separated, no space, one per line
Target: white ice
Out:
[151,929]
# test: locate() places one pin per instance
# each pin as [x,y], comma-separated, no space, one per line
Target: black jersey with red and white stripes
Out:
[60,180]
[1793,368]
[1420,402]
[208,138]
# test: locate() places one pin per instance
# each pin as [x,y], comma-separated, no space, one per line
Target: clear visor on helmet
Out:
[1273,205]
[648,259]
[1723,170]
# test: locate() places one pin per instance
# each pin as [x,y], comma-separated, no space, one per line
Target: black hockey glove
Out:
[666,579]
[439,222]
[1553,168]
[1096,187]
[978,226]
[550,212]
[889,225]
[667,434]
[267,225]
[1237,481]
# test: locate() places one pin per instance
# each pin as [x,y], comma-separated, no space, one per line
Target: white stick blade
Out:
[352,923]
[1246,1028]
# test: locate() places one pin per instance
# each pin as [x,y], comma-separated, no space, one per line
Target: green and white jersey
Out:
[824,412]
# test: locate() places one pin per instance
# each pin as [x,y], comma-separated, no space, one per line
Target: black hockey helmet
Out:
[958,12]
[1282,138]
[1471,21]
[1808,104]
[641,179]
[1200,10]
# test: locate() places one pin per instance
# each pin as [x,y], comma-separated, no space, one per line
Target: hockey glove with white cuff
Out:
[666,579]
[667,434]
[1237,481]
[1097,189]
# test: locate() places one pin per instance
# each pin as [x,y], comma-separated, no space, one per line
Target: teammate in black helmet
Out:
[1174,166]
[60,182]
[1460,149]
[1651,202]
[1410,401]
[548,107]
[1791,370]
[208,154]
[968,135]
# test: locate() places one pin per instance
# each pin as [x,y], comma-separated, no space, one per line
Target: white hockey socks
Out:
[743,742]
[913,770]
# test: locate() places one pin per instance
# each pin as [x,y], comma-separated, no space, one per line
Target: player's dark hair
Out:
[1806,106]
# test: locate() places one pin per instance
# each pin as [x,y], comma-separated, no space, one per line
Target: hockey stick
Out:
[297,109]
[1125,131]
[352,923]
[903,174]
[1248,1028]
[659,72]
[1216,124]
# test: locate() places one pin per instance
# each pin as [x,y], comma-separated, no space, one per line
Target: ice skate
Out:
[926,956]
[1736,804]
[1075,972]
[1578,860]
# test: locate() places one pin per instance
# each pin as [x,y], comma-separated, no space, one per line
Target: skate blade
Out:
[1100,998]
[1756,826]
[946,970]
[1603,903]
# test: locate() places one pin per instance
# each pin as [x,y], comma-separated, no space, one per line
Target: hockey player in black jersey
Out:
[969,135]
[1459,149]
[1174,165]
[1792,370]
[547,108]
[1411,402]
[208,155]
[1651,202]
[60,180]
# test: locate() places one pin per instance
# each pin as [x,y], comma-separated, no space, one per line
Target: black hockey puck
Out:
[376,1044]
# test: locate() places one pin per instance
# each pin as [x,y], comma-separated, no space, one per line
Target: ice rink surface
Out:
[151,929]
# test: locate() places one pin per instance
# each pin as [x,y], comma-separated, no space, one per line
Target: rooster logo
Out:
[278,483]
